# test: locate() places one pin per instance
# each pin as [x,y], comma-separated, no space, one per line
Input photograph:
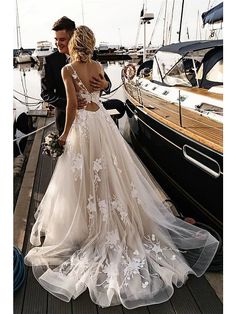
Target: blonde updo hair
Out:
[81,44]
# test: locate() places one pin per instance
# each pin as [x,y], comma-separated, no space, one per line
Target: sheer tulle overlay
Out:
[103,225]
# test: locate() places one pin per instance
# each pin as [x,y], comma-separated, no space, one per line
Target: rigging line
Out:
[43,127]
[24,86]
[157,20]
[164,26]
[116,88]
[171,20]
[27,95]
[28,103]
[18,33]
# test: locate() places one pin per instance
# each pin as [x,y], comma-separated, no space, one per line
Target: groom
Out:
[52,86]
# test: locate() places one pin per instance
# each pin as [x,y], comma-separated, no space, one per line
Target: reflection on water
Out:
[27,82]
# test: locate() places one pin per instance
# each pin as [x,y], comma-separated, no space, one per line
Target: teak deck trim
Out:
[201,129]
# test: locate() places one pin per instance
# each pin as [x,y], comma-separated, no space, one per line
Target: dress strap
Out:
[75,75]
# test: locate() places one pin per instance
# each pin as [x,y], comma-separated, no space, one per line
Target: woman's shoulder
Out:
[97,64]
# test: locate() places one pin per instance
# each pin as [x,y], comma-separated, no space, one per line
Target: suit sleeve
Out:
[48,90]
[108,90]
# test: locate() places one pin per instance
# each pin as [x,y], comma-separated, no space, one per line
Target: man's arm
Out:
[48,90]
[102,83]
[108,89]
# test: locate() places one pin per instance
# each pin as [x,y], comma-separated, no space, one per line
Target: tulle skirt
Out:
[103,225]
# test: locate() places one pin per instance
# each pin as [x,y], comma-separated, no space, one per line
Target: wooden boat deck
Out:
[198,127]
[195,297]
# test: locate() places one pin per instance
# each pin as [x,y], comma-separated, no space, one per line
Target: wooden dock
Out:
[195,297]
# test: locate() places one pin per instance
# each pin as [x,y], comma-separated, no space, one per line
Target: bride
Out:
[102,224]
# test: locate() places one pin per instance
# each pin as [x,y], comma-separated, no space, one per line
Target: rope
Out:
[114,90]
[26,96]
[43,127]
[19,268]
[28,103]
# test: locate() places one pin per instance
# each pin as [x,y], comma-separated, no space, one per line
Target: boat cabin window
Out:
[177,75]
[210,72]
[216,73]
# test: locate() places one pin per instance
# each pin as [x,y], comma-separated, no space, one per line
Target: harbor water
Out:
[27,82]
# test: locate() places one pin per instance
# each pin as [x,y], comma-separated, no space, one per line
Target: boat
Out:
[22,56]
[43,49]
[150,52]
[174,105]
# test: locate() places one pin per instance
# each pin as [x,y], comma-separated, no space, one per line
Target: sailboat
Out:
[174,106]
[142,51]
[22,56]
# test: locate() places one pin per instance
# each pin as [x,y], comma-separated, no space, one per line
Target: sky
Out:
[115,22]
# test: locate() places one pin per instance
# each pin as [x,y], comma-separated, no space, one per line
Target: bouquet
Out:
[51,146]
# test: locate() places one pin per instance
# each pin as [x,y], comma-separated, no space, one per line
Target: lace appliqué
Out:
[134,194]
[153,246]
[91,212]
[97,166]
[115,162]
[132,267]
[118,206]
[82,123]
[90,97]
[103,207]
[112,240]
[77,166]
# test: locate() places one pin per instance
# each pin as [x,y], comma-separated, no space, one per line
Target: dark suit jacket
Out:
[52,86]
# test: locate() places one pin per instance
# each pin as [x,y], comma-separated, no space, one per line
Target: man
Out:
[52,86]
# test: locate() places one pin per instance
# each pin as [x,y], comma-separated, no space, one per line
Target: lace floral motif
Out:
[117,205]
[77,165]
[134,193]
[112,240]
[115,162]
[91,212]
[103,209]
[97,166]
[153,246]
[90,97]
[82,123]
[133,266]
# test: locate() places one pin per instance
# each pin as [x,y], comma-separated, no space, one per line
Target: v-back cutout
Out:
[76,76]
[91,98]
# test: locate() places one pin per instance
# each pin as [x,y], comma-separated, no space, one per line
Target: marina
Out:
[171,116]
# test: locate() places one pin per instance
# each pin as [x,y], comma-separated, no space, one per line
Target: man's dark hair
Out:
[64,23]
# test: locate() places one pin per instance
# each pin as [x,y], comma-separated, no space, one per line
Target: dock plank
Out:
[35,301]
[183,302]
[83,304]
[162,308]
[57,306]
[205,297]
[138,310]
[117,309]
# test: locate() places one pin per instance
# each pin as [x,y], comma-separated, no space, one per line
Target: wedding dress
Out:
[104,223]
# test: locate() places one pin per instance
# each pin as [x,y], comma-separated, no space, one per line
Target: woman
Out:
[103,220]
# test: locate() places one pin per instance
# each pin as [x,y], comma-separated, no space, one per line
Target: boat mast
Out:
[181,20]
[145,19]
[164,26]
[157,20]
[139,23]
[82,5]
[171,21]
[18,33]
[144,34]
